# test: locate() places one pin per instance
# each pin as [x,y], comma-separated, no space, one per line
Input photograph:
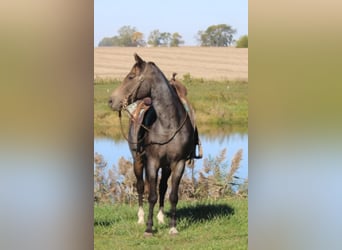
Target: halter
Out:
[133,93]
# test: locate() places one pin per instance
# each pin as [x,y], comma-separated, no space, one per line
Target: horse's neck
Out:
[167,104]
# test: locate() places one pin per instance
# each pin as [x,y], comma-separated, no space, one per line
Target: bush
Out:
[242,42]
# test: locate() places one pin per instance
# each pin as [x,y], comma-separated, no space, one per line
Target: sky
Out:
[182,16]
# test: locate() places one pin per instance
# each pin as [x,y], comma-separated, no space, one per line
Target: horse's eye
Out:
[130,77]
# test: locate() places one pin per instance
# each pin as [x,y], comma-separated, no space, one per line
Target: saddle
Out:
[182,93]
[144,116]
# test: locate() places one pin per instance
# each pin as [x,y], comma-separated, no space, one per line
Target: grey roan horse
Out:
[168,140]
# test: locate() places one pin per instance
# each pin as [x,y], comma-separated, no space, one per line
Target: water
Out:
[212,146]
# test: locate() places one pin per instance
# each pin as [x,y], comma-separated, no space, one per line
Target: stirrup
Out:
[200,152]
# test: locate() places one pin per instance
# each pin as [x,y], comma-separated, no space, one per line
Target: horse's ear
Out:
[138,59]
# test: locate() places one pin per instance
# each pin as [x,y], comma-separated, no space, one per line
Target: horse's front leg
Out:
[138,171]
[152,170]
[166,172]
[176,178]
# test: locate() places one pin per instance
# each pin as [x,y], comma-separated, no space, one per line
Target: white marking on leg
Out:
[160,216]
[173,231]
[141,216]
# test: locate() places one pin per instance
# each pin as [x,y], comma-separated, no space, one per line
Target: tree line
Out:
[220,35]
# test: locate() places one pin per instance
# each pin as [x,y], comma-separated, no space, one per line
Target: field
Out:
[215,63]
[221,224]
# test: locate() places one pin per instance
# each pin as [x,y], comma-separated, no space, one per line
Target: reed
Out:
[116,184]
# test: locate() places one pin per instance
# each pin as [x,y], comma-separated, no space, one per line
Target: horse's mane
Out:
[172,89]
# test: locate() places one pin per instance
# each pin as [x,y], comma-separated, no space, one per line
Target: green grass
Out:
[221,224]
[219,105]
[106,122]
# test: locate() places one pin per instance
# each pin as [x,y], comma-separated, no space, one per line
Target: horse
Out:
[141,117]
[167,142]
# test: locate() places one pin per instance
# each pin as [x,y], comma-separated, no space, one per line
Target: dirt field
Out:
[200,62]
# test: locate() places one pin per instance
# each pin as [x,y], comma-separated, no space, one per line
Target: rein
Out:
[148,130]
[174,133]
[124,135]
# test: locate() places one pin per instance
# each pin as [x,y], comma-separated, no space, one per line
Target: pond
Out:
[212,146]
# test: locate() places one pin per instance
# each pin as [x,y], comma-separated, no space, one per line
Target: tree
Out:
[242,42]
[157,38]
[165,38]
[137,39]
[176,40]
[110,41]
[216,35]
[154,38]
[128,37]
[106,41]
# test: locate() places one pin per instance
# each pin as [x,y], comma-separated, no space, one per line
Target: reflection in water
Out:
[212,146]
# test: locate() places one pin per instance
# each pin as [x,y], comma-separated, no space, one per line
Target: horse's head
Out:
[131,89]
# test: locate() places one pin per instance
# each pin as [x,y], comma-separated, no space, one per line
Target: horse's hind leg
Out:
[166,171]
[176,177]
[138,171]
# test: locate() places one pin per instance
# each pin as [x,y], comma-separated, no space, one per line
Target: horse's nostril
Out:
[110,102]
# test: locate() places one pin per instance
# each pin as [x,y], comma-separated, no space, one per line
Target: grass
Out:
[220,224]
[219,105]
[106,122]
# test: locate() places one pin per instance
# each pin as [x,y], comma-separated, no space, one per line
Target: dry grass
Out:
[200,62]
[214,180]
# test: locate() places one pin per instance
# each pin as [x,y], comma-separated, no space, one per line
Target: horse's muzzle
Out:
[114,104]
[110,102]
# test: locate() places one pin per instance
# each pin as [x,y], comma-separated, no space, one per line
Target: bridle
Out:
[132,95]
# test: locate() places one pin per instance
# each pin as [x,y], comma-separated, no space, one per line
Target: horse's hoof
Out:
[148,234]
[173,231]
